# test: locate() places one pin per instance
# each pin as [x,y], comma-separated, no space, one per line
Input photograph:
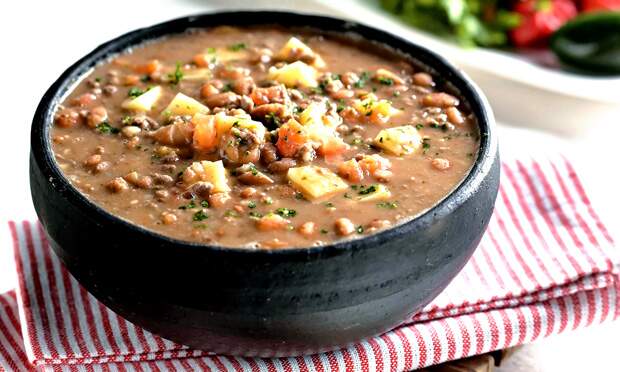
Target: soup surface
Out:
[263,137]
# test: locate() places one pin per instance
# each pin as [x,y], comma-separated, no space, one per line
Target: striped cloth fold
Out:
[546,265]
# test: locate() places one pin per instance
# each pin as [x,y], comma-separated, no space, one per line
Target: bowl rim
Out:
[42,154]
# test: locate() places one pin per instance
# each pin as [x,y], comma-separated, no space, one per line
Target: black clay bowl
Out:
[264,302]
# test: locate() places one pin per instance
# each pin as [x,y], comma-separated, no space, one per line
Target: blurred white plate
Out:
[520,91]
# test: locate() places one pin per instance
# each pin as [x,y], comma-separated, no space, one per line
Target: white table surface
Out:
[39,39]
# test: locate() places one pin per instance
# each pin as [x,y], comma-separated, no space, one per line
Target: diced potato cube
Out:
[296,74]
[208,171]
[295,49]
[312,114]
[378,110]
[184,105]
[399,140]
[197,74]
[318,125]
[223,123]
[145,101]
[314,182]
[374,193]
[223,55]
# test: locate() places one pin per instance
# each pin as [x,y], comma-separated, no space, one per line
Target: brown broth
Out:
[416,183]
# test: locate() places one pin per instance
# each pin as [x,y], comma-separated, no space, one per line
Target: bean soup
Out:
[263,137]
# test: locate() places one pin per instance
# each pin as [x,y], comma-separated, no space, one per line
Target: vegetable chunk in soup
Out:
[263,137]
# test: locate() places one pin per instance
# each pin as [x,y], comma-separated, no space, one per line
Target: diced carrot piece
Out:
[351,171]
[131,79]
[372,163]
[202,59]
[148,68]
[205,134]
[291,137]
[333,146]
[273,94]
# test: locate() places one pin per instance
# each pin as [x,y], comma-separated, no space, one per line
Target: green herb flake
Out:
[231,213]
[105,128]
[364,77]
[204,204]
[386,81]
[189,205]
[328,204]
[268,200]
[255,215]
[359,229]
[200,216]
[324,231]
[252,204]
[285,212]
[368,190]
[426,143]
[419,126]
[176,76]
[299,196]
[340,105]
[388,205]
[135,92]
[237,47]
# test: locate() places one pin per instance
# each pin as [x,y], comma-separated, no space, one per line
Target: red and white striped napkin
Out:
[546,265]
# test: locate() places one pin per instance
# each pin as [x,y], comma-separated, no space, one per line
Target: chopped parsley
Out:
[252,204]
[329,204]
[176,76]
[268,200]
[386,81]
[426,143]
[324,231]
[419,126]
[368,190]
[204,204]
[190,205]
[285,212]
[443,127]
[340,106]
[231,213]
[126,120]
[237,47]
[347,195]
[299,196]
[200,216]
[105,128]
[358,141]
[388,205]
[364,77]
[135,92]
[360,229]
[255,215]
[272,119]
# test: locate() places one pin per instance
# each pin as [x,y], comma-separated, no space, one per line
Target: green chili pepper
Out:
[590,42]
